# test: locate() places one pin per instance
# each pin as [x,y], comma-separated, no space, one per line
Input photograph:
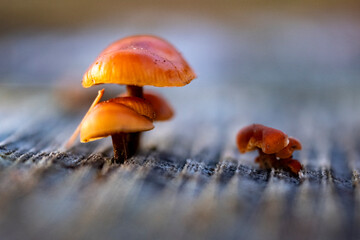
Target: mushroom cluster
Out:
[133,61]
[275,147]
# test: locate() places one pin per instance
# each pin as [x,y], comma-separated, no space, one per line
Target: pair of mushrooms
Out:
[134,61]
[275,147]
[142,60]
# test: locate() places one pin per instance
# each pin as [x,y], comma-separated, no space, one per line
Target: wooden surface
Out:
[188,181]
[290,65]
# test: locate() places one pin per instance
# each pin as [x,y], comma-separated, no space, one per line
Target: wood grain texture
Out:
[188,181]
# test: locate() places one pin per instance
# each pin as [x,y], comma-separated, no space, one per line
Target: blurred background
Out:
[304,49]
[304,53]
[293,65]
[295,43]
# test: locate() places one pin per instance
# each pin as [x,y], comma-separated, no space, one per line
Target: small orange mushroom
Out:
[137,61]
[275,148]
[269,140]
[163,111]
[115,120]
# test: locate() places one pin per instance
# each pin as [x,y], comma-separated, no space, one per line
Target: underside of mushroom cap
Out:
[110,118]
[140,61]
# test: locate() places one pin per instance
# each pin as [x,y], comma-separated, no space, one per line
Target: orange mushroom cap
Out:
[287,152]
[139,105]
[163,110]
[269,140]
[140,60]
[109,118]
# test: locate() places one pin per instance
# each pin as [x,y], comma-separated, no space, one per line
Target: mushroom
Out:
[163,112]
[274,147]
[137,61]
[143,107]
[115,119]
[269,140]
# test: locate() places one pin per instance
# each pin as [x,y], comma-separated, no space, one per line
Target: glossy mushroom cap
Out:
[140,60]
[269,140]
[287,152]
[139,105]
[110,118]
[163,110]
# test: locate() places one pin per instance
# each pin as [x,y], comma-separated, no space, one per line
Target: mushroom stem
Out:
[135,91]
[134,138]
[120,147]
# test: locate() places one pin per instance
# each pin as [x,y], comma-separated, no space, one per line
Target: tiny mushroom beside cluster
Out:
[275,147]
[133,61]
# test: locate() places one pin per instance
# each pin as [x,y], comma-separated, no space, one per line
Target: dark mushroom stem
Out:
[120,146]
[134,138]
[135,91]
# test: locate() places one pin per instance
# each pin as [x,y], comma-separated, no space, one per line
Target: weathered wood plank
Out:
[187,181]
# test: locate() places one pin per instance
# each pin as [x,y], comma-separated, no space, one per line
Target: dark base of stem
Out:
[120,147]
[125,146]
